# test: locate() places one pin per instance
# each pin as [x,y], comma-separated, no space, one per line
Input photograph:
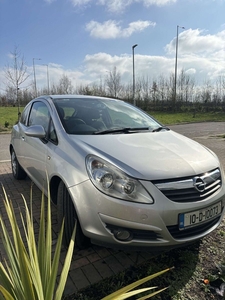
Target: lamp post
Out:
[47,78]
[175,76]
[35,85]
[133,75]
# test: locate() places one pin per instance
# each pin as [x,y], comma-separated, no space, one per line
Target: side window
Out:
[52,134]
[39,115]
[24,115]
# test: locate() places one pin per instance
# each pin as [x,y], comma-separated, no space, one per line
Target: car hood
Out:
[151,155]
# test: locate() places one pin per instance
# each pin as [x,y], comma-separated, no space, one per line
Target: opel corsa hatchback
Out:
[128,181]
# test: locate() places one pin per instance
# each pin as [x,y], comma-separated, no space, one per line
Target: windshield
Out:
[96,115]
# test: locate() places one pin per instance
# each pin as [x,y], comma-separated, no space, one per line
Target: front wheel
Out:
[66,211]
[17,170]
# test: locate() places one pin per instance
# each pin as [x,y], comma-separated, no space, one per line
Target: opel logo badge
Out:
[199,184]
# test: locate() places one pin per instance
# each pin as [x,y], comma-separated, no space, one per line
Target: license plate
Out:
[199,216]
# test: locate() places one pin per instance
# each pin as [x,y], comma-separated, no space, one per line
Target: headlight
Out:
[115,183]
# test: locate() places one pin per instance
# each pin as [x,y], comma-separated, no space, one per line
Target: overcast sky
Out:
[85,39]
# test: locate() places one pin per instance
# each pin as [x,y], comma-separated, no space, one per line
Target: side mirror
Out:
[36,131]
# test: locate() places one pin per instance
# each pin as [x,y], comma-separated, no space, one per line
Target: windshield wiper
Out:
[160,128]
[122,130]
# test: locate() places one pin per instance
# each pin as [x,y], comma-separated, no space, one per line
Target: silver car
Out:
[127,180]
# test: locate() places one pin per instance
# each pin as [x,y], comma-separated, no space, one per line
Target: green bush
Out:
[6,124]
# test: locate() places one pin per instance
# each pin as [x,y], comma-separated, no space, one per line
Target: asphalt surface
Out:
[94,264]
[198,130]
[208,134]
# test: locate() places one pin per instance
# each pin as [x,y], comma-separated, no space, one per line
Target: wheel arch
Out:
[53,185]
[66,210]
[10,148]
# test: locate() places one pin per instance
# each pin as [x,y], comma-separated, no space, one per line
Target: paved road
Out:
[195,130]
[209,134]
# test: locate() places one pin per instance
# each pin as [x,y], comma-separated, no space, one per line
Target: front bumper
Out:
[149,225]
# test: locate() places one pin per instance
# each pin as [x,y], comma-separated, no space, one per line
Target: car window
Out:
[24,115]
[52,136]
[124,119]
[88,115]
[39,115]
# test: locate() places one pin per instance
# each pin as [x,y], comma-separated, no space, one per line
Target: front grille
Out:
[191,189]
[193,231]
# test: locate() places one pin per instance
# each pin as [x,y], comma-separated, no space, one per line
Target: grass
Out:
[177,118]
[8,115]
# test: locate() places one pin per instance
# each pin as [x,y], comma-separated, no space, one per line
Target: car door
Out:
[18,135]
[35,149]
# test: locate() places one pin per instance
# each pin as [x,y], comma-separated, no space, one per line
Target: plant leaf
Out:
[133,293]
[6,294]
[152,294]
[134,285]
[66,267]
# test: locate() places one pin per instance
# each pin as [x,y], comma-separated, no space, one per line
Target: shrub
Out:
[6,124]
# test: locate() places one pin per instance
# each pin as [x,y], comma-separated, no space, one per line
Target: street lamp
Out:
[175,77]
[35,85]
[47,77]
[133,74]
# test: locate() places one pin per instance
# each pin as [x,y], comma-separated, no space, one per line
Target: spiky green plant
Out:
[29,270]
[128,291]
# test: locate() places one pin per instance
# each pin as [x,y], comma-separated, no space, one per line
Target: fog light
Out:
[122,234]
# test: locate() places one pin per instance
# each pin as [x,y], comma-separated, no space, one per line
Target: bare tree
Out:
[65,85]
[113,83]
[126,92]
[162,87]
[16,73]
[219,89]
[99,88]
[185,86]
[84,90]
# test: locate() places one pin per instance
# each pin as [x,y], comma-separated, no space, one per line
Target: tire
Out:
[66,211]
[17,170]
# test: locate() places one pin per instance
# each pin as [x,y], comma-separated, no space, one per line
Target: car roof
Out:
[70,96]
